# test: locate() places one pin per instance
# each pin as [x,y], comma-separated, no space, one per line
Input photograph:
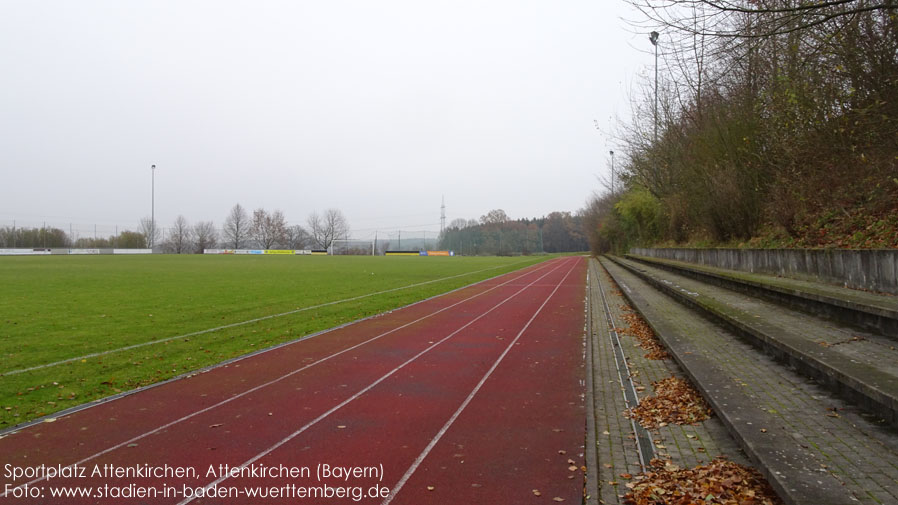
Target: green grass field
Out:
[62,308]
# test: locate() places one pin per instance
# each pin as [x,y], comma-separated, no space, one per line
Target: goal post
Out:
[352,247]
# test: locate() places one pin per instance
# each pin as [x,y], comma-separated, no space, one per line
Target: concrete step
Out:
[612,447]
[862,367]
[870,311]
[812,447]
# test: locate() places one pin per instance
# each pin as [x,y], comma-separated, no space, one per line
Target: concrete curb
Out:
[591,456]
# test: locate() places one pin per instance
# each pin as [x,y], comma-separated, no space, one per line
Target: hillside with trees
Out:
[497,234]
[777,126]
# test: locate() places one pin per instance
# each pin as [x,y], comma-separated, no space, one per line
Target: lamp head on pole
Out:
[653,38]
[152,167]
[611,153]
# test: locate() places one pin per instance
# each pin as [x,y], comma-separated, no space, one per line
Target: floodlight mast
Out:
[152,238]
[653,38]
[612,172]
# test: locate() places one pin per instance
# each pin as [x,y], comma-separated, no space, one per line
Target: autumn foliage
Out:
[775,128]
[675,402]
[643,333]
[720,482]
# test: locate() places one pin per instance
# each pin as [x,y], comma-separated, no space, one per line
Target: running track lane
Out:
[381,403]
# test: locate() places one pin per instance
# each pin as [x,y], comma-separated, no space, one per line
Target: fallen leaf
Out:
[675,401]
[536,492]
[643,333]
[721,480]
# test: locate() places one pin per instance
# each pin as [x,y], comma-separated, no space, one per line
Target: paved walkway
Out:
[615,446]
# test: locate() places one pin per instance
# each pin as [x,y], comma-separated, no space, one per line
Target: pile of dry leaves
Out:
[720,482]
[644,334]
[675,402]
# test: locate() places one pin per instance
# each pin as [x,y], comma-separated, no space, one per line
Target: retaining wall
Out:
[872,269]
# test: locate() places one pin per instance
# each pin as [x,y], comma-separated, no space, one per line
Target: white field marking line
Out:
[242,323]
[470,397]
[278,379]
[362,391]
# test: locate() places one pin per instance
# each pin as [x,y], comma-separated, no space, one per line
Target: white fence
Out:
[44,252]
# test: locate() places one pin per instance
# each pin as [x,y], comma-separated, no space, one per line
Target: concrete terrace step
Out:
[863,367]
[811,446]
[612,447]
[872,311]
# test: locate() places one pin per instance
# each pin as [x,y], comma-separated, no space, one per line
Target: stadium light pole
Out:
[153,207]
[612,172]
[653,38]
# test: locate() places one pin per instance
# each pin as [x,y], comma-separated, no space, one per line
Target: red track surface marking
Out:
[395,397]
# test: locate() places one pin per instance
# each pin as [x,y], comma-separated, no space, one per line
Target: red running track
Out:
[475,396]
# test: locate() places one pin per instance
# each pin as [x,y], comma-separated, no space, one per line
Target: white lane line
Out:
[470,397]
[285,376]
[241,323]
[360,392]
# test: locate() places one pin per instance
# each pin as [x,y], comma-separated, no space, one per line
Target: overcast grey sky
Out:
[375,108]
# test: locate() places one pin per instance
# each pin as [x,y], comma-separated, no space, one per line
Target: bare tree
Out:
[178,241]
[325,228]
[772,17]
[268,229]
[236,228]
[149,230]
[296,237]
[204,236]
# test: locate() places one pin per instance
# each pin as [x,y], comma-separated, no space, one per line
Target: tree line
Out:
[777,126]
[497,234]
[241,230]
[493,234]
